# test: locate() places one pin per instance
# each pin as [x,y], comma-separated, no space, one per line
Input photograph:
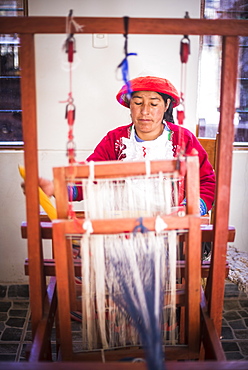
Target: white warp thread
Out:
[119,270]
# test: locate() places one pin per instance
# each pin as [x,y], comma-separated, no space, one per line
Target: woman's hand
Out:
[45,184]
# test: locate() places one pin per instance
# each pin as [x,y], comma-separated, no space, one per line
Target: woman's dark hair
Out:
[168,116]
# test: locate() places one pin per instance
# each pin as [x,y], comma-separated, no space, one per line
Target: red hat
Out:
[148,83]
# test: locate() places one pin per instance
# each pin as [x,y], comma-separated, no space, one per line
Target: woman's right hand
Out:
[45,184]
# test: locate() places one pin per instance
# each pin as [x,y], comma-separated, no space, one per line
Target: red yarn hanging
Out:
[184,55]
[184,49]
[70,48]
[180,116]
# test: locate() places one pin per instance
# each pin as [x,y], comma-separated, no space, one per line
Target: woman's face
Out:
[147,111]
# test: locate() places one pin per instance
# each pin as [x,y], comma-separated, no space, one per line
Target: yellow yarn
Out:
[45,202]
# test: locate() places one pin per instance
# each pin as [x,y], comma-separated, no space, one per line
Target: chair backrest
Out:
[68,296]
[210,145]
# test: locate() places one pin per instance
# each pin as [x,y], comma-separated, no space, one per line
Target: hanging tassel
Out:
[70,112]
[180,116]
[184,56]
[124,63]
[185,45]
[185,49]
[70,48]
[69,44]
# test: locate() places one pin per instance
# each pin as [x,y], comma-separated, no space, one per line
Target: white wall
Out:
[239,199]
[13,249]
[94,89]
[95,82]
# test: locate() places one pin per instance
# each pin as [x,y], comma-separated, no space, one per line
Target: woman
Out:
[151,135]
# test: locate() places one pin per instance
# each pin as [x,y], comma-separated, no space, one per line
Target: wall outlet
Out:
[100,40]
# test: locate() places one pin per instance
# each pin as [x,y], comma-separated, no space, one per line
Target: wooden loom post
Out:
[230,49]
[36,273]
[63,286]
[193,265]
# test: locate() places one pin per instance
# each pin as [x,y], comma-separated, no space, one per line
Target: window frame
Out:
[238,145]
[21,6]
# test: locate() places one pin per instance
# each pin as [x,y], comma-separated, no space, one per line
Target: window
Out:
[209,87]
[10,101]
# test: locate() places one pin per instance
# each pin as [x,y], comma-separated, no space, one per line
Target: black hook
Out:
[126,24]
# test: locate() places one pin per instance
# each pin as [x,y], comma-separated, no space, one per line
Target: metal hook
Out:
[126,23]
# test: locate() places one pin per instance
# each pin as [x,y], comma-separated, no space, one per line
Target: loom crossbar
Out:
[114,25]
[105,169]
[122,225]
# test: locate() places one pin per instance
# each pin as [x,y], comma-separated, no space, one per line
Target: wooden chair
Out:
[209,144]
[190,295]
[211,147]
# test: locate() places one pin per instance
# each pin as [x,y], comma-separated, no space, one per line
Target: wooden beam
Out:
[152,26]
[63,289]
[230,52]
[116,169]
[212,346]
[36,275]
[170,365]
[49,268]
[41,347]
[206,231]
[122,225]
[193,283]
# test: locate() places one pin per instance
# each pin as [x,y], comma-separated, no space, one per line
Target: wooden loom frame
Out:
[27,27]
[67,297]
